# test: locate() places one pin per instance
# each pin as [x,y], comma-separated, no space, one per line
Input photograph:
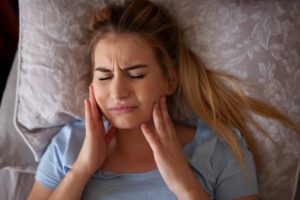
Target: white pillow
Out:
[255,40]
[14,153]
[53,72]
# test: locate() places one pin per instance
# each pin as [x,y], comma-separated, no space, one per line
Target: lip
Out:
[122,109]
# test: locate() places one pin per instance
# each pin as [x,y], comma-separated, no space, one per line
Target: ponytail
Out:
[217,99]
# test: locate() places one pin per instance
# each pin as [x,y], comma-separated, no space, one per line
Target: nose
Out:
[120,88]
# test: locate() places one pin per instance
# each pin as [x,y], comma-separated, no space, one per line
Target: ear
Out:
[172,82]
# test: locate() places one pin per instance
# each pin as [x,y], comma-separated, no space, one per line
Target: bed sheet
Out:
[15,185]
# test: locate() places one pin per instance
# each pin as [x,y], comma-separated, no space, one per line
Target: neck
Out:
[130,151]
[132,144]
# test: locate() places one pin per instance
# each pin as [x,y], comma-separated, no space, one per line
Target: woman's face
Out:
[127,80]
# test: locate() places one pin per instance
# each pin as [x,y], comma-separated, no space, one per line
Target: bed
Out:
[17,162]
[255,40]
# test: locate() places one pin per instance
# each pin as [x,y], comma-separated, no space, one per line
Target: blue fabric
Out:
[209,157]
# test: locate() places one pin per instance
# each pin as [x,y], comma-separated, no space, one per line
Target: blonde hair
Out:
[213,96]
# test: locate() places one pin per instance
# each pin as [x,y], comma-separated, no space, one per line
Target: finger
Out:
[110,134]
[88,115]
[151,138]
[157,119]
[166,117]
[93,103]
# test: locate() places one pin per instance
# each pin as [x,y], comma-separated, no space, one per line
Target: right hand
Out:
[94,150]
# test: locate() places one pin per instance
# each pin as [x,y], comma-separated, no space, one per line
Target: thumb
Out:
[88,116]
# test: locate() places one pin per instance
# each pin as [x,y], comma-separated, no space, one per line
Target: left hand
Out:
[168,154]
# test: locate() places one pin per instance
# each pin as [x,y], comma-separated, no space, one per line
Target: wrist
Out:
[192,194]
[72,184]
[191,191]
[80,171]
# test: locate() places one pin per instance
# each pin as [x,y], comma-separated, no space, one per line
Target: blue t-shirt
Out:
[209,157]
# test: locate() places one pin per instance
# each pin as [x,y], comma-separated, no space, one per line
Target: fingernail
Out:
[143,126]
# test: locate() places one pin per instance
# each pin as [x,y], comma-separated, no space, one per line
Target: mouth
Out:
[122,109]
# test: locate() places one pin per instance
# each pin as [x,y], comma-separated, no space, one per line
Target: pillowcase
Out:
[53,70]
[255,40]
[14,153]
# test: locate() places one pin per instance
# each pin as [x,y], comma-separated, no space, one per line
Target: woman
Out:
[142,74]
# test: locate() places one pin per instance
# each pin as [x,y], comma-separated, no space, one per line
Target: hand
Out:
[94,150]
[168,154]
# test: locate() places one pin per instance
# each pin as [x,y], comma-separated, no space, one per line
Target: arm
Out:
[169,157]
[39,192]
[72,185]
[91,157]
[176,172]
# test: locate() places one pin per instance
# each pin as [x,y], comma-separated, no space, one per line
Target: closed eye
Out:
[131,76]
[137,76]
[105,78]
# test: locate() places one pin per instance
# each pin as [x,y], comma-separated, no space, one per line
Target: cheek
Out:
[156,88]
[100,97]
[151,93]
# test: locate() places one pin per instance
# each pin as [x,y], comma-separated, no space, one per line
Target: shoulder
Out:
[70,132]
[206,144]
[60,154]
[67,142]
[217,168]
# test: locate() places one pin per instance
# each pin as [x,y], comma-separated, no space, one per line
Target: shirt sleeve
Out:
[60,155]
[50,170]
[231,181]
[220,173]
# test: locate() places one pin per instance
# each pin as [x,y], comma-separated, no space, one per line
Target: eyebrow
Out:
[105,69]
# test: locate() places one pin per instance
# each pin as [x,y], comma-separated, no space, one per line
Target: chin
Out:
[122,124]
[131,123]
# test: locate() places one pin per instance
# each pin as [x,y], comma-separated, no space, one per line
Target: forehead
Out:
[123,50]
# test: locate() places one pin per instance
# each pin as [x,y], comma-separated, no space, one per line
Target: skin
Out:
[114,84]
[142,134]
[121,84]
